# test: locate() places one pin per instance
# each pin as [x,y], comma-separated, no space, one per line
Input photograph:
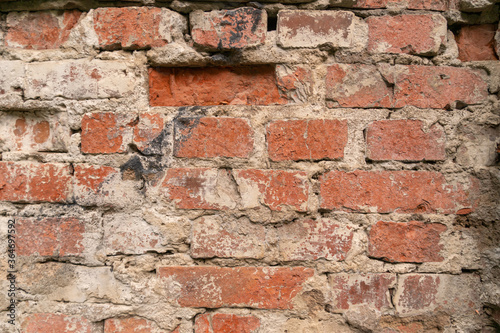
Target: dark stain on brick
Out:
[183,129]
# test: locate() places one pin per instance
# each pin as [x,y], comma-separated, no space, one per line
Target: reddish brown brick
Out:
[306,139]
[392,191]
[413,34]
[406,242]
[314,239]
[91,177]
[129,325]
[252,85]
[198,188]
[213,137]
[476,42]
[39,30]
[148,133]
[357,86]
[276,189]
[404,140]
[103,133]
[55,323]
[311,28]
[30,182]
[361,289]
[229,29]
[136,27]
[216,287]
[50,236]
[226,323]
[211,237]
[438,86]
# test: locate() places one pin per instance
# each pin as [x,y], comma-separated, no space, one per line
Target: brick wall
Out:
[210,167]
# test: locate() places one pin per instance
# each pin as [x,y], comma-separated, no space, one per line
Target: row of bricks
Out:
[278,287]
[202,188]
[210,137]
[139,28]
[306,239]
[347,85]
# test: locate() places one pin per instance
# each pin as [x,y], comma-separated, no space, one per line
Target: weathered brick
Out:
[78,79]
[31,182]
[398,86]
[137,27]
[314,239]
[103,133]
[306,139]
[307,28]
[276,189]
[229,29]
[392,191]
[148,133]
[199,188]
[437,87]
[440,5]
[55,323]
[253,287]
[425,293]
[213,137]
[11,77]
[413,34]
[130,325]
[226,323]
[404,140]
[125,234]
[40,30]
[357,86]
[50,236]
[252,85]
[211,237]
[28,132]
[476,42]
[406,242]
[295,82]
[371,290]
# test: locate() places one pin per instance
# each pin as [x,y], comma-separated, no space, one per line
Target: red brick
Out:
[306,139]
[148,133]
[314,239]
[311,28]
[229,29]
[438,86]
[406,242]
[392,191]
[50,236]
[276,189]
[211,237]
[412,34]
[440,5]
[296,82]
[253,287]
[129,325]
[198,188]
[357,86]
[136,27]
[404,140]
[213,137]
[226,323]
[419,292]
[55,323]
[39,30]
[361,289]
[252,85]
[30,182]
[103,133]
[476,42]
